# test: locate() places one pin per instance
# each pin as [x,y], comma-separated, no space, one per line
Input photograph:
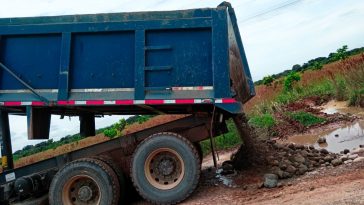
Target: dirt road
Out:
[326,186]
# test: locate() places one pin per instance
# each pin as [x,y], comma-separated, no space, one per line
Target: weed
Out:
[306,119]
[263,121]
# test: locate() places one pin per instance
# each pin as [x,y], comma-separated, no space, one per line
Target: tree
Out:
[296,67]
[317,65]
[268,80]
[341,53]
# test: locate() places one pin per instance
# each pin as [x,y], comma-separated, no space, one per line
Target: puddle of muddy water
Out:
[224,179]
[346,137]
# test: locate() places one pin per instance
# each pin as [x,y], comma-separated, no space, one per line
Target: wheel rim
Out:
[164,168]
[81,190]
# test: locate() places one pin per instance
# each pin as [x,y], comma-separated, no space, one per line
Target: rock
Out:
[312,188]
[291,146]
[361,146]
[344,158]
[304,153]
[336,162]
[348,161]
[298,158]
[353,156]
[270,180]
[283,166]
[277,171]
[279,185]
[315,151]
[291,169]
[300,146]
[278,146]
[321,161]
[321,140]
[286,175]
[336,135]
[302,169]
[311,147]
[327,163]
[324,151]
[289,184]
[328,158]
[359,159]
[274,163]
[346,151]
[357,151]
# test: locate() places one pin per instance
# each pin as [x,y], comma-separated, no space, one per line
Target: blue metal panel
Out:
[63,84]
[220,53]
[110,17]
[139,64]
[35,57]
[108,26]
[189,58]
[102,60]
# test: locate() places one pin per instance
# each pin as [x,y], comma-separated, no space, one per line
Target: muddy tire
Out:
[85,181]
[165,168]
[199,150]
[121,178]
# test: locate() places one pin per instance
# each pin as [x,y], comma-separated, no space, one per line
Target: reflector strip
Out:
[122,102]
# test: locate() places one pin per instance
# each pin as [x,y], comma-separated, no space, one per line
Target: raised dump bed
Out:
[170,62]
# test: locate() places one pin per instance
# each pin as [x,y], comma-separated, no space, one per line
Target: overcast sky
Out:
[276,33]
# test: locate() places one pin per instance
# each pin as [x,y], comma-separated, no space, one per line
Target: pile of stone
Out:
[293,159]
[356,155]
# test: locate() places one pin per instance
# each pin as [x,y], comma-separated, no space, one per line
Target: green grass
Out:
[226,141]
[263,121]
[306,119]
[324,88]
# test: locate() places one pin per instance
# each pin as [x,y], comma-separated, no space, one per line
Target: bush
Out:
[268,80]
[305,118]
[228,140]
[341,90]
[289,81]
[356,98]
[111,132]
[120,126]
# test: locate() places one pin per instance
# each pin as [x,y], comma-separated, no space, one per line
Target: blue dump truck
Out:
[170,62]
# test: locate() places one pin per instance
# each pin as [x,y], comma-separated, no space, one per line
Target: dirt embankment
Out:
[158,120]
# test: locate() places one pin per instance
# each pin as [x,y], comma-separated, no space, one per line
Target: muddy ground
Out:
[328,185]
[325,185]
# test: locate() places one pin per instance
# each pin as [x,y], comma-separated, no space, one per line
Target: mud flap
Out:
[39,121]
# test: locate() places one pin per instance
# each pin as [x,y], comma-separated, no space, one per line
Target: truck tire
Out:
[85,181]
[199,150]
[165,168]
[121,178]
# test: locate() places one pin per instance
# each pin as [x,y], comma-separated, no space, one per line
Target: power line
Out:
[286,4]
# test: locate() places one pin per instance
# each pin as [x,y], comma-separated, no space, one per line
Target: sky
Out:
[276,33]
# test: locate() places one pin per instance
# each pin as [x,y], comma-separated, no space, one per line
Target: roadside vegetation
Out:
[339,76]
